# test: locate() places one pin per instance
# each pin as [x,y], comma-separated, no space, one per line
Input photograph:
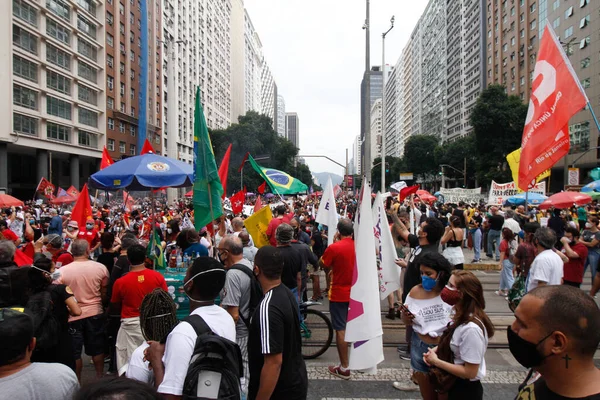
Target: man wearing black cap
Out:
[19,378]
[292,259]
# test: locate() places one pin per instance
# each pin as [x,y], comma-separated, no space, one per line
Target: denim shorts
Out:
[417,349]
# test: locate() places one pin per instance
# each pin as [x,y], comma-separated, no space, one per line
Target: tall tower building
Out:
[356,155]
[392,110]
[376,129]
[54,104]
[127,60]
[376,91]
[281,116]
[292,123]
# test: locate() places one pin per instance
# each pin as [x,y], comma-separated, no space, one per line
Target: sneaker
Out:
[402,347]
[406,386]
[404,354]
[489,256]
[475,261]
[336,370]
[498,259]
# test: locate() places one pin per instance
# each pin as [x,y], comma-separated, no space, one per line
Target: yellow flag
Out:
[257,224]
[513,162]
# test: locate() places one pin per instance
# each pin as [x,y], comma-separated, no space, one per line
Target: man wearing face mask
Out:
[55,246]
[90,234]
[547,267]
[556,334]
[203,282]
[573,255]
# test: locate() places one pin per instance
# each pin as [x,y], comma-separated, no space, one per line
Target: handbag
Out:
[516,292]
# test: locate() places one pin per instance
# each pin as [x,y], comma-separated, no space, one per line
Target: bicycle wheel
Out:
[316,333]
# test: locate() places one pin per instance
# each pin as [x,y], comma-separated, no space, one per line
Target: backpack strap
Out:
[246,270]
[198,323]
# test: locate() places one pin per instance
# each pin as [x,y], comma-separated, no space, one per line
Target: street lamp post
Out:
[383,103]
[463,172]
[367,108]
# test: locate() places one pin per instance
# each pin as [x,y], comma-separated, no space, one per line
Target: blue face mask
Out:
[428,283]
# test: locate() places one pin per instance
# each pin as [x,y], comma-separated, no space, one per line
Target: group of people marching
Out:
[66,289]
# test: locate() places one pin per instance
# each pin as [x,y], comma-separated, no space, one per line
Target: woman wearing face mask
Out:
[43,292]
[466,338]
[591,238]
[425,310]
[171,234]
[70,234]
[508,246]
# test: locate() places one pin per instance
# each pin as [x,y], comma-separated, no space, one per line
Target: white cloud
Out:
[316,52]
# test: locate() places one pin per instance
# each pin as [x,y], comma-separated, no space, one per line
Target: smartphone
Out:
[405,310]
[388,203]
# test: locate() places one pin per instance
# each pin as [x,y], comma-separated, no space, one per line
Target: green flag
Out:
[207,185]
[154,251]
[279,181]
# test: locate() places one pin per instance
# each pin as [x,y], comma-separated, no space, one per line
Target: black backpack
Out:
[215,368]
[46,326]
[256,293]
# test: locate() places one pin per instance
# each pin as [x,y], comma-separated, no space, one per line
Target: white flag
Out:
[327,213]
[364,310]
[398,186]
[389,272]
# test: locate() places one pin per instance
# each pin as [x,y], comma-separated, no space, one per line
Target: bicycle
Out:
[316,331]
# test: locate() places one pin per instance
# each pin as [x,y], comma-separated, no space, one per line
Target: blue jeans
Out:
[494,237]
[592,260]
[506,276]
[476,234]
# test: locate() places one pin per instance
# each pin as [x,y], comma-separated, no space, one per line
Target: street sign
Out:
[406,176]
[573,176]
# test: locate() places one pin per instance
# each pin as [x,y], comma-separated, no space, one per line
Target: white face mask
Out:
[169,231]
[54,275]
[588,225]
[476,214]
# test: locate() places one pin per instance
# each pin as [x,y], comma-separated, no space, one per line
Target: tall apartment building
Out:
[356,155]
[376,91]
[281,130]
[292,125]
[392,110]
[268,94]
[376,129]
[131,53]
[203,56]
[53,79]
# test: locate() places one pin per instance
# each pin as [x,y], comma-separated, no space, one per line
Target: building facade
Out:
[368,99]
[292,124]
[54,83]
[392,109]
[356,156]
[124,74]
[281,130]
[376,129]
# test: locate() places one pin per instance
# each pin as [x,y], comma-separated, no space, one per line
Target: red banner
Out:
[237,202]
[46,188]
[556,96]
[106,159]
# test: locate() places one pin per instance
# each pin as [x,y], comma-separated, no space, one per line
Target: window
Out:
[58,108]
[522,80]
[86,49]
[110,144]
[132,130]
[512,41]
[110,61]
[131,18]
[533,24]
[111,123]
[522,18]
[24,68]
[122,109]
[58,132]
[58,82]
[555,5]
[58,57]
[87,139]
[86,71]
[131,37]
[60,8]
[568,32]
[121,28]
[122,147]
[580,137]
[121,127]
[556,23]
[110,40]
[569,12]
[122,89]
[132,149]
[110,103]
[86,26]
[584,42]
[110,82]
[512,11]
[131,55]
[122,68]
[25,97]
[121,9]
[585,83]
[88,117]
[583,3]
[109,18]
[24,12]
[522,33]
[88,6]
[24,40]
[132,74]
[132,93]
[24,124]
[585,63]
[87,94]
[132,113]
[58,32]
[585,21]
[532,8]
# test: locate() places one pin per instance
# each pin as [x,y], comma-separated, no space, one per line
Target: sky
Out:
[316,52]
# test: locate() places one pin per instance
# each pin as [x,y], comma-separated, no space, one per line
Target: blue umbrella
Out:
[591,187]
[143,172]
[532,198]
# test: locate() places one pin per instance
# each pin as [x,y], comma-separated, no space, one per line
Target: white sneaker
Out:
[409,386]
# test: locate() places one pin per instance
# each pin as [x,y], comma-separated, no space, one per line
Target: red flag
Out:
[337,191]
[127,201]
[224,170]
[106,159]
[262,187]
[556,96]
[72,191]
[407,191]
[258,204]
[237,201]
[147,148]
[243,162]
[46,188]
[83,207]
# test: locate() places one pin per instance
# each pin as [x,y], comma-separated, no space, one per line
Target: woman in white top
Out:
[425,310]
[453,239]
[467,337]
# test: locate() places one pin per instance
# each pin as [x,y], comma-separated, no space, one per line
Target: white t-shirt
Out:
[431,315]
[546,267]
[138,369]
[180,346]
[468,344]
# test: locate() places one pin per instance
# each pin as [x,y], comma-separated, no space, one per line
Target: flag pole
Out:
[593,115]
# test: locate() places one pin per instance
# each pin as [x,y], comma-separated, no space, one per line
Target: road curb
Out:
[482,267]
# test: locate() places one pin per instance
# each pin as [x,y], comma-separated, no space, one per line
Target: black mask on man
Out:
[526,353]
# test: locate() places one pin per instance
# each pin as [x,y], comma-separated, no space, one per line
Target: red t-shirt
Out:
[131,288]
[274,223]
[340,257]
[10,235]
[573,270]
[92,236]
[62,258]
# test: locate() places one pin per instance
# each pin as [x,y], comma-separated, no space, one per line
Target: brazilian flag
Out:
[279,181]
[154,251]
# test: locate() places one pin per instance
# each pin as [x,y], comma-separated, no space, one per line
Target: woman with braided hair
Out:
[157,319]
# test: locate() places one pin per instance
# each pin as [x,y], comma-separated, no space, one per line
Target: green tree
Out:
[454,154]
[394,165]
[419,155]
[498,121]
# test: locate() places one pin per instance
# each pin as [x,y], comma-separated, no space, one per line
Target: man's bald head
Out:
[237,224]
[232,244]
[245,238]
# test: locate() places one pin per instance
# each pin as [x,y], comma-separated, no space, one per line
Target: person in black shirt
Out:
[109,251]
[292,260]
[494,236]
[277,369]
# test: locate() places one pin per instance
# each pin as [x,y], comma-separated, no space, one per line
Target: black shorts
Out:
[339,314]
[89,333]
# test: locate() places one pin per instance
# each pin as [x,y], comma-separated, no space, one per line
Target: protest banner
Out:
[499,192]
